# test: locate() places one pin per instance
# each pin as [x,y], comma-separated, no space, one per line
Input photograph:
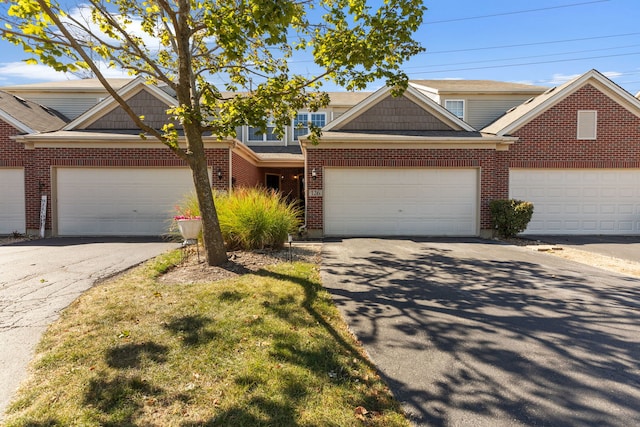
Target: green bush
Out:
[510,217]
[252,218]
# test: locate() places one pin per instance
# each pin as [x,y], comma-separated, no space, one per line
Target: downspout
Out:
[230,177]
[306,192]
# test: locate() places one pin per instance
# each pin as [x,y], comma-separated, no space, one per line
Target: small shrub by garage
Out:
[510,217]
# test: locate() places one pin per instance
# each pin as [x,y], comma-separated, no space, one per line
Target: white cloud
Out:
[525,82]
[559,79]
[134,27]
[20,73]
[612,74]
[11,71]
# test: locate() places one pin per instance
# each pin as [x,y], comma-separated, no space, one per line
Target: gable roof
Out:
[414,95]
[477,86]
[109,103]
[28,116]
[523,113]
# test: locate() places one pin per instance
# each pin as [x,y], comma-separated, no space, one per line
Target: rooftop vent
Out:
[24,101]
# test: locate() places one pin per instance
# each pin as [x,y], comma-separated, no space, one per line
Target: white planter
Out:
[190,228]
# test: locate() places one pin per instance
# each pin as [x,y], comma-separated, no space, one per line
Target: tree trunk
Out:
[211,234]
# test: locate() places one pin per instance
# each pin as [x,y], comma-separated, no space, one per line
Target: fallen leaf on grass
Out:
[361,412]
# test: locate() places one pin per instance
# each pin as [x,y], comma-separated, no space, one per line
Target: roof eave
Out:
[409,141]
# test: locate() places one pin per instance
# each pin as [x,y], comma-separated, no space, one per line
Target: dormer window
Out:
[587,124]
[302,121]
[456,106]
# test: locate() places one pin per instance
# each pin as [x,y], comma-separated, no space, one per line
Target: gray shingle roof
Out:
[74,85]
[479,86]
[31,114]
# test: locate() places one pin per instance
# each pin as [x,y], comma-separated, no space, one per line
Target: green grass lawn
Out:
[262,349]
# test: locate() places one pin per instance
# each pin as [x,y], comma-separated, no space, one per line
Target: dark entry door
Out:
[272,181]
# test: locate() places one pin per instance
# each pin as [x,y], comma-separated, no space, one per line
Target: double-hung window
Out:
[256,135]
[302,122]
[456,106]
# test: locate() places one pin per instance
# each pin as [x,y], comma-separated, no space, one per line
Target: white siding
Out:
[481,112]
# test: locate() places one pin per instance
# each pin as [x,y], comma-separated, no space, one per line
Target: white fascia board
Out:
[358,109]
[570,87]
[15,123]
[427,103]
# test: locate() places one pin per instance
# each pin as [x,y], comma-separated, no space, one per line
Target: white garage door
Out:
[580,201]
[400,202]
[118,201]
[12,206]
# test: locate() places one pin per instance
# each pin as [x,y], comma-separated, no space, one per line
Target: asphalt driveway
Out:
[40,278]
[476,333]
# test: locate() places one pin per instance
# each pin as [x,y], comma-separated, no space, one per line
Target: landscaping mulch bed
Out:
[194,270]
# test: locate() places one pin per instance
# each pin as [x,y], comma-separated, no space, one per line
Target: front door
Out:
[272,181]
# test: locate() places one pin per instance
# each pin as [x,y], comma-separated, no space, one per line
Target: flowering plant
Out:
[186,213]
[178,217]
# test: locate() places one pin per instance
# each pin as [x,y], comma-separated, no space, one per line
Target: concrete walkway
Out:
[621,247]
[40,278]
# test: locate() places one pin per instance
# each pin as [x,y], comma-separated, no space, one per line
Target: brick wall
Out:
[11,153]
[549,141]
[245,174]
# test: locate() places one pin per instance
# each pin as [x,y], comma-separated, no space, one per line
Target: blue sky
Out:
[544,43]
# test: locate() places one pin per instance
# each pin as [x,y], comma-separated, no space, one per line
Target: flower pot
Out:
[190,228]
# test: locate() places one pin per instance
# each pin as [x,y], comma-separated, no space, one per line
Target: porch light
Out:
[314,175]
[219,173]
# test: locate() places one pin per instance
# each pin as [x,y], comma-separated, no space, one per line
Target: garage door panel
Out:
[12,201]
[118,201]
[376,201]
[595,201]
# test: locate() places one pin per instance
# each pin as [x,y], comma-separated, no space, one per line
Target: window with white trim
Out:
[456,106]
[254,134]
[302,121]
[587,124]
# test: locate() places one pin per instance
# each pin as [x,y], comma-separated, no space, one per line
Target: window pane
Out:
[456,107]
[270,135]
[255,134]
[300,125]
[298,132]
[318,119]
[301,119]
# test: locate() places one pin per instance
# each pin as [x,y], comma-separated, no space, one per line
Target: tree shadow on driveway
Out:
[487,334]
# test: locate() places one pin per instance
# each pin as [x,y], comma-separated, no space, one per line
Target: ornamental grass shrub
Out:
[510,217]
[253,218]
